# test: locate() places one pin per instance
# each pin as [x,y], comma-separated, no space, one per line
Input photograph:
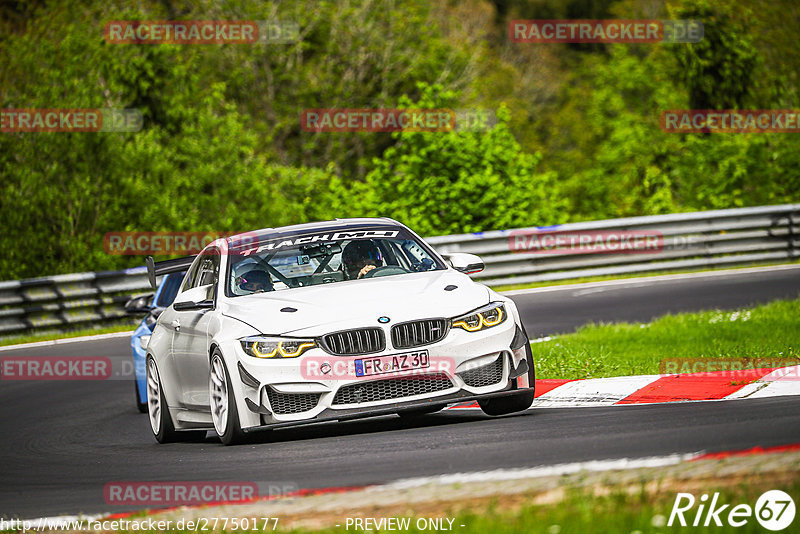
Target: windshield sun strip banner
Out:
[324,237]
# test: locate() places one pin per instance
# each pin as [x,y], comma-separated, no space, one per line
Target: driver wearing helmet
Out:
[360,257]
[255,280]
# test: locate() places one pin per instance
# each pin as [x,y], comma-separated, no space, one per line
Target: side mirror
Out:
[465,263]
[139,304]
[197,298]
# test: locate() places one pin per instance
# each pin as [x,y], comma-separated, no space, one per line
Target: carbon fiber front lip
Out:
[330,415]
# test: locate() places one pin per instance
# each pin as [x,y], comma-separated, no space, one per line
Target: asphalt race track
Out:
[62,441]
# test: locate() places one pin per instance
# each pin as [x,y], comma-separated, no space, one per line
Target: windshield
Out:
[326,258]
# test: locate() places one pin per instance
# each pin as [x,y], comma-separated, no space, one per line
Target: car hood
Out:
[354,304]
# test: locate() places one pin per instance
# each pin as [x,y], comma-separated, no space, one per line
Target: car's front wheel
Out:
[507,404]
[517,402]
[223,404]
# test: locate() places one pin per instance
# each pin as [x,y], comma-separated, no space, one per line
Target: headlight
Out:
[143,341]
[276,347]
[487,316]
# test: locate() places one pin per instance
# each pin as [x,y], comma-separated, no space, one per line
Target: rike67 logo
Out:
[774,510]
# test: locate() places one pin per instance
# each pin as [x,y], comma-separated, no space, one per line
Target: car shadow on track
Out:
[386,423]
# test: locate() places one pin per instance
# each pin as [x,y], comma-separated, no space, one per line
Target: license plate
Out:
[381,365]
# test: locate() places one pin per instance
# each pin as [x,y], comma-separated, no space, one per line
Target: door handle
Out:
[176,324]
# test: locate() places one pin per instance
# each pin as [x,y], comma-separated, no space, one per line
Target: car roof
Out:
[255,236]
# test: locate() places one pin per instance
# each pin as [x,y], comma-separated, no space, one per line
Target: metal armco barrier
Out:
[697,240]
[58,302]
[707,239]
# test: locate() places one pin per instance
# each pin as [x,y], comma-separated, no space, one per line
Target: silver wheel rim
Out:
[153,396]
[218,389]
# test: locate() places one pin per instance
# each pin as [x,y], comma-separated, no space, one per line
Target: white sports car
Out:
[329,321]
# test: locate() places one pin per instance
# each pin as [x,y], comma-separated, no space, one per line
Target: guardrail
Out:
[59,302]
[707,239]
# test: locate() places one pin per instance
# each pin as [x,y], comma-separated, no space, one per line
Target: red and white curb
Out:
[655,389]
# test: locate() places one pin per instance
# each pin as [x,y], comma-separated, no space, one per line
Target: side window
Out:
[188,281]
[170,289]
[209,269]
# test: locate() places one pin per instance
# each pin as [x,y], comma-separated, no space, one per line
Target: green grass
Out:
[770,332]
[127,326]
[582,511]
[589,279]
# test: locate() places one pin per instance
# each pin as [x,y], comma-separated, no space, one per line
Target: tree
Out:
[458,181]
[719,71]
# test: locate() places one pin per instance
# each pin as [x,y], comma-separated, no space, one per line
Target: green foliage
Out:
[458,181]
[619,162]
[630,171]
[719,71]
[193,167]
[578,135]
[352,55]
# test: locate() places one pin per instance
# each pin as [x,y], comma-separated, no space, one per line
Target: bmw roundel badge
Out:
[383,319]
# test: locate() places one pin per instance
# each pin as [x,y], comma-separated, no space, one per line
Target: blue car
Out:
[151,305]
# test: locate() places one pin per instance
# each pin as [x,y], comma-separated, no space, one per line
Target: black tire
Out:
[417,412]
[141,406]
[507,404]
[233,434]
[529,357]
[513,403]
[166,432]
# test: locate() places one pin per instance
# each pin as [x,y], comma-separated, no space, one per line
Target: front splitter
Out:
[331,415]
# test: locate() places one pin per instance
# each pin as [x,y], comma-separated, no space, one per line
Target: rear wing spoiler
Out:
[166,267]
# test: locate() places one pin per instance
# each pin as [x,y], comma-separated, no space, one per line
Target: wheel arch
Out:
[246,417]
[211,348]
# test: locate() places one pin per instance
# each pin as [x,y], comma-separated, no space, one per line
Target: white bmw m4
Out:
[329,321]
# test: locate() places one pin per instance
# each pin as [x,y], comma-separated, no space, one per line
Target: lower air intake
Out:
[286,403]
[392,388]
[485,375]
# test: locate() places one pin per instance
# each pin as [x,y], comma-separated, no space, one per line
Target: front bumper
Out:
[376,411]
[486,364]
